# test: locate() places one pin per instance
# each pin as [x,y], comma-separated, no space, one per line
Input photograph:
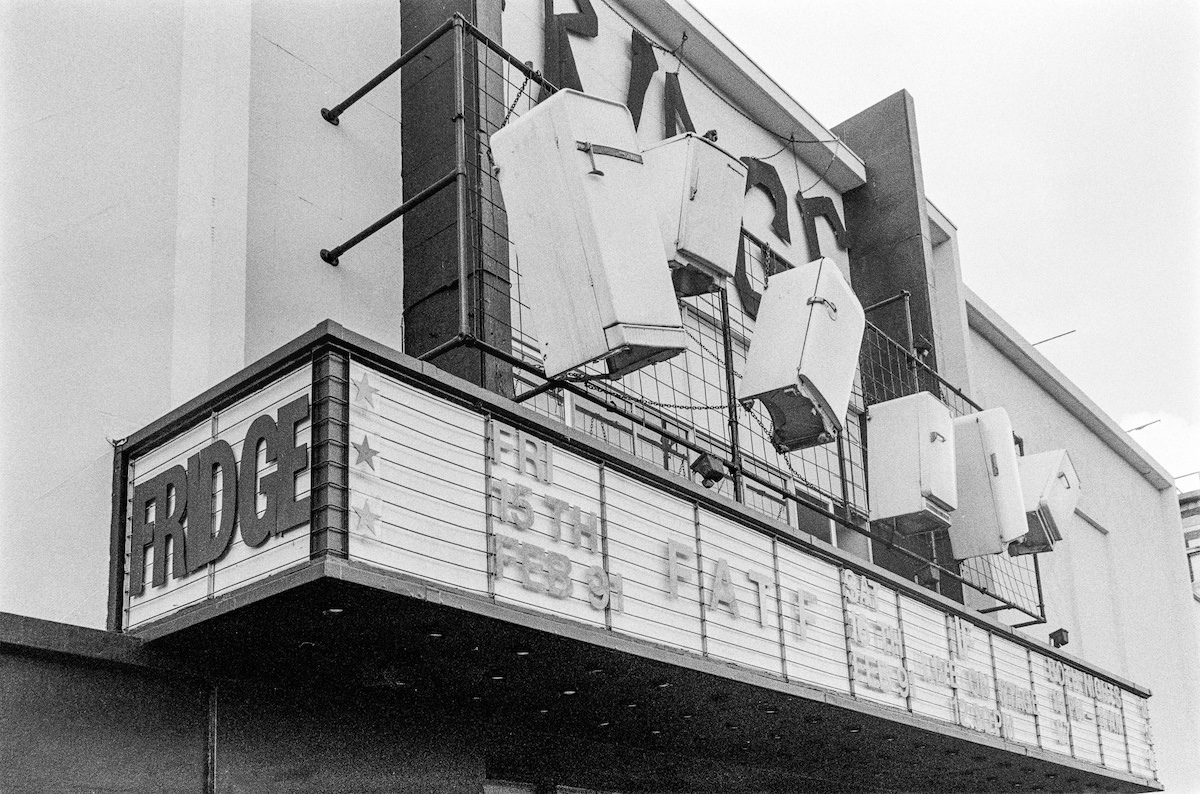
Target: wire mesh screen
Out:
[889,371]
[669,413]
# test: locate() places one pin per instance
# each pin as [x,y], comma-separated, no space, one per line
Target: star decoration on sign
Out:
[363,452]
[367,518]
[364,391]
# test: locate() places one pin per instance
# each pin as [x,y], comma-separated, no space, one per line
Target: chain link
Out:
[784,456]
[638,399]
[516,99]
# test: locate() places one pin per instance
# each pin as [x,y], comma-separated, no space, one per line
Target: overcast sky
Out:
[1063,140]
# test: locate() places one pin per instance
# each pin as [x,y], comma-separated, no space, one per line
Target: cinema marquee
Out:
[336,460]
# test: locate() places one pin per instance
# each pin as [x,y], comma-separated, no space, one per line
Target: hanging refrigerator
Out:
[804,353]
[911,475]
[699,189]
[991,509]
[588,245]
[1051,489]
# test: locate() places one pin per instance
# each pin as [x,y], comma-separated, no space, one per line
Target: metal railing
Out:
[677,411]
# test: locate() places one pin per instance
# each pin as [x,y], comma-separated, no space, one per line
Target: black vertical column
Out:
[889,217]
[116,541]
[433,294]
[893,251]
[330,451]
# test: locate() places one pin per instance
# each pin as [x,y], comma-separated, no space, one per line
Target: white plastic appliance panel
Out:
[590,254]
[805,350]
[990,512]
[699,189]
[1051,487]
[910,456]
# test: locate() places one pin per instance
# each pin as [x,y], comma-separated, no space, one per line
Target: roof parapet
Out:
[992,327]
[730,70]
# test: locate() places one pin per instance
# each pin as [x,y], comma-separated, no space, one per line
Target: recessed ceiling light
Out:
[631,705]
[522,653]
[568,691]
[497,678]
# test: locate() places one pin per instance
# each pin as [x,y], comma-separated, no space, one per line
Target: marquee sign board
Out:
[451,495]
[222,504]
[496,504]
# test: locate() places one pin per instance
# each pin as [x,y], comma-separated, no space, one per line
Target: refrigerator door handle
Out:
[829,305]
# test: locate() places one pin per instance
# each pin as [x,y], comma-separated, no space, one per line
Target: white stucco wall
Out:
[1117,582]
[89,197]
[313,185]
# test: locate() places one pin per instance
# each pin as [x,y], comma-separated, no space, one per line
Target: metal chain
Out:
[516,99]
[677,406]
[703,349]
[635,398]
[784,456]
[487,148]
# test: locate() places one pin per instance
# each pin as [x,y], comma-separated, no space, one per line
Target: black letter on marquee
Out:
[156,533]
[202,546]
[764,175]
[820,207]
[560,68]
[293,459]
[255,528]
[675,106]
[642,70]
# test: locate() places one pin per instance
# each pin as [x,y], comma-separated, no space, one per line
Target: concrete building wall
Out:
[90,157]
[312,185]
[1117,581]
[81,710]
[74,724]
[946,301]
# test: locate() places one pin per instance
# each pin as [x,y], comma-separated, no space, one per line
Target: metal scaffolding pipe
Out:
[331,255]
[331,114]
